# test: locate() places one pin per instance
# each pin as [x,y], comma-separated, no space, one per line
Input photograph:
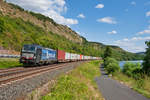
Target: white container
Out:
[67,56]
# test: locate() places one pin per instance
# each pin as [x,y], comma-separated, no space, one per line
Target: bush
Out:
[111,65]
[109,60]
[112,68]
[133,70]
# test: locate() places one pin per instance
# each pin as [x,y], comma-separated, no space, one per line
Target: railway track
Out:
[13,75]
[10,70]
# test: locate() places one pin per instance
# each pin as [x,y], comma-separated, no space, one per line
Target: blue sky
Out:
[125,23]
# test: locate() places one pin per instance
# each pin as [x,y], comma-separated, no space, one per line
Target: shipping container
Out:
[73,56]
[67,56]
[61,56]
[80,57]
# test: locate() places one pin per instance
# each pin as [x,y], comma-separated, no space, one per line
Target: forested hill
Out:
[18,27]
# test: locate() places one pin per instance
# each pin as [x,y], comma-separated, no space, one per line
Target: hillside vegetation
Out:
[18,27]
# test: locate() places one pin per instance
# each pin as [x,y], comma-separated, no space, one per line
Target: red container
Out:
[60,55]
[81,57]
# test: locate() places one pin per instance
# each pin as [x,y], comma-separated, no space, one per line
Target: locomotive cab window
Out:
[30,48]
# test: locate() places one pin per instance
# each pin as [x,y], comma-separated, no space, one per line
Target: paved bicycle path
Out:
[113,90]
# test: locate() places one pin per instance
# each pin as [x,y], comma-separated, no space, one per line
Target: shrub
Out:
[112,68]
[111,65]
[133,70]
[109,60]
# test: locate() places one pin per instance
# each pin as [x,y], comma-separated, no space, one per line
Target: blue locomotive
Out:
[37,55]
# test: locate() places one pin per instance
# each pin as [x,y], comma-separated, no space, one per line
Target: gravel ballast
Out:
[22,88]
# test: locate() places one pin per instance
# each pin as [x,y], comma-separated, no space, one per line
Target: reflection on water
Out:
[121,63]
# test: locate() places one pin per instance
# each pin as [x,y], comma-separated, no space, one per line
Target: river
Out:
[121,63]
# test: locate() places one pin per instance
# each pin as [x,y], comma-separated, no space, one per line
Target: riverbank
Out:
[114,90]
[130,73]
[133,76]
[9,63]
[142,85]
[77,85]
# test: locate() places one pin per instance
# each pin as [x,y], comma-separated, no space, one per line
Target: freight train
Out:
[38,55]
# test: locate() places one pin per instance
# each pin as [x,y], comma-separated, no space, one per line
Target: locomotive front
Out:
[28,54]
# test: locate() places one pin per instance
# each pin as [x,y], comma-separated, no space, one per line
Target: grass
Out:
[9,63]
[142,86]
[77,85]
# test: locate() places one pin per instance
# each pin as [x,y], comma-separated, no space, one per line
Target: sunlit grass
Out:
[77,85]
[9,63]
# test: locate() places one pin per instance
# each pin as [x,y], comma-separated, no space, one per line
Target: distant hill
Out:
[141,53]
[18,27]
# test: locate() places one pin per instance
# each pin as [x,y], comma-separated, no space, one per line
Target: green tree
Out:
[146,64]
[108,52]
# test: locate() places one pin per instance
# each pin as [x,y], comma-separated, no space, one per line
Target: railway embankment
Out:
[18,89]
[78,84]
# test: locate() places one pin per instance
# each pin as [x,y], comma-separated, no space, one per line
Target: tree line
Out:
[112,65]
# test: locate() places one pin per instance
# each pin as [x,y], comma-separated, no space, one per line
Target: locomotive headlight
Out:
[34,57]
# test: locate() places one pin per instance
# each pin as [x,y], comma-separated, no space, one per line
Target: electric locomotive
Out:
[37,55]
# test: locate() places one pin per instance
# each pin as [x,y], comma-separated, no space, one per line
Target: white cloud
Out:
[51,8]
[125,39]
[132,44]
[112,32]
[81,16]
[144,32]
[148,13]
[100,6]
[133,3]
[108,20]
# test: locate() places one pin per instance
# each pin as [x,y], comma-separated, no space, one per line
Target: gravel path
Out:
[113,90]
[22,88]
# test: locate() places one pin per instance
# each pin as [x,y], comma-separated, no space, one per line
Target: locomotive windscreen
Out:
[29,48]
